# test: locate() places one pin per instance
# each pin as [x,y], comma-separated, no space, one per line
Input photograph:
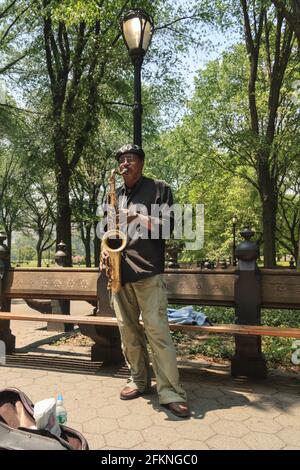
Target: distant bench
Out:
[246,289]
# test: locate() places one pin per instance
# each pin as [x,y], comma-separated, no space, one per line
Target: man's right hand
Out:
[104,256]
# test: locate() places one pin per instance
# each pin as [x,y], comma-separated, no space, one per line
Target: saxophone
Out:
[114,240]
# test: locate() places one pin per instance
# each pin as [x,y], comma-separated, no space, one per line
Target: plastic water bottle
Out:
[61,413]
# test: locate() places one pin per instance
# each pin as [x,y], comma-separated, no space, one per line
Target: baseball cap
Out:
[130,148]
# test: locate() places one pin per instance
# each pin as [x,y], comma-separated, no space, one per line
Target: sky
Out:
[197,58]
[188,63]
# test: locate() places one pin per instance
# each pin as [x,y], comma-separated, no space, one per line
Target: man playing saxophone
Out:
[142,290]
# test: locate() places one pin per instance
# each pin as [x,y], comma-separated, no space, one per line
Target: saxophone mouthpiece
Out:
[123,171]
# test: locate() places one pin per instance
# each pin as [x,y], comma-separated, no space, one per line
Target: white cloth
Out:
[44,413]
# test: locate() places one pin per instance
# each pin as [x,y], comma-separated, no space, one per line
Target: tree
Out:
[289,213]
[13,183]
[12,15]
[277,56]
[83,57]
[254,139]
[214,140]
[39,217]
[291,12]
[86,185]
[75,68]
[87,66]
[185,161]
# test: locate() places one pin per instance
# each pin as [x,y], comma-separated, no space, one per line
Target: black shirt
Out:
[141,257]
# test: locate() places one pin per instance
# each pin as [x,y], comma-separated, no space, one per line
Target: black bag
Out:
[16,417]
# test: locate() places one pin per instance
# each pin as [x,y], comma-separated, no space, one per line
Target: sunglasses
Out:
[128,159]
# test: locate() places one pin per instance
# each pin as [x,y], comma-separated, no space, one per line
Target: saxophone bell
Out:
[114,241]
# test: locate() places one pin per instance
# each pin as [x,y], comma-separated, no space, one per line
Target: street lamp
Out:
[137,29]
[234,221]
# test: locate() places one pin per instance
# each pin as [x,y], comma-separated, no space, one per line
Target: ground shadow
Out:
[64,365]
[215,390]
[200,407]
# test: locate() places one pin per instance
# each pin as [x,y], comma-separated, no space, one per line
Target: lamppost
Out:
[234,221]
[137,29]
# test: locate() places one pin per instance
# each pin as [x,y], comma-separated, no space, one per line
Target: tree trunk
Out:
[39,251]
[269,210]
[96,247]
[9,237]
[298,252]
[291,15]
[39,258]
[63,221]
[269,230]
[87,247]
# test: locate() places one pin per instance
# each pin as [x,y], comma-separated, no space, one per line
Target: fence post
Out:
[5,332]
[248,359]
[60,307]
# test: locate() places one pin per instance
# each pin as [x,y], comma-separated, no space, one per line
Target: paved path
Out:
[227,413]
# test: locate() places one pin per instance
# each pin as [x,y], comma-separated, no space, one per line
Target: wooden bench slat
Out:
[231,329]
[87,320]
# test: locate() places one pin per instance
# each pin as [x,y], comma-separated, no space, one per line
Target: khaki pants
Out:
[149,298]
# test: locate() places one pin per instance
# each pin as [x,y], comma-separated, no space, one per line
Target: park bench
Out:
[246,288]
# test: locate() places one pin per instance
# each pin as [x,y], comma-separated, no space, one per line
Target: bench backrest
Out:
[280,288]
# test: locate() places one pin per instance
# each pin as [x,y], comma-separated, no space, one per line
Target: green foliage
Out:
[218,314]
[179,337]
[283,318]
[26,253]
[214,347]
[212,155]
[278,351]
[209,157]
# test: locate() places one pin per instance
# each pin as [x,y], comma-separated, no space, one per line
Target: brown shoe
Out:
[129,393]
[179,409]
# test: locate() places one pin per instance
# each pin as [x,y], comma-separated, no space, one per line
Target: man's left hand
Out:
[128,215]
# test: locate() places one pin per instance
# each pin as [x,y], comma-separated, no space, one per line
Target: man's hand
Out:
[127,215]
[104,257]
[145,220]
